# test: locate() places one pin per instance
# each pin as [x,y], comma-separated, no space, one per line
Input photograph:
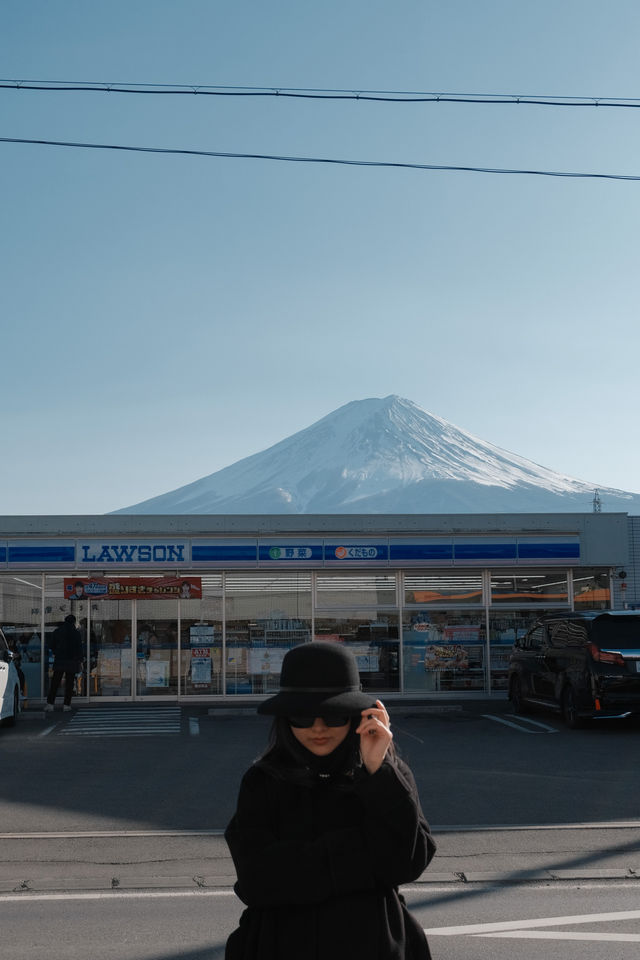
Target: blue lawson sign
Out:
[251,552]
[99,553]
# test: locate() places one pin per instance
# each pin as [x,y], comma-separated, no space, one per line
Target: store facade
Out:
[204,608]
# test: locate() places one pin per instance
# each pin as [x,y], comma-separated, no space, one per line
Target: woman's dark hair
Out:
[286,759]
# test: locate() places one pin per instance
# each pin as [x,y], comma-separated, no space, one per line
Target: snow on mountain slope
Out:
[383,456]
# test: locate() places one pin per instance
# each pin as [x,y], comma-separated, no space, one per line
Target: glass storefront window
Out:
[355,590]
[442,588]
[201,624]
[21,622]
[591,589]
[443,650]
[529,586]
[372,636]
[232,640]
[266,615]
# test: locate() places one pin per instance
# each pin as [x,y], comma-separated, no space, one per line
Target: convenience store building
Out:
[205,607]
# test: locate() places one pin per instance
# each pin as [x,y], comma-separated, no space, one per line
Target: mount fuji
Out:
[384,456]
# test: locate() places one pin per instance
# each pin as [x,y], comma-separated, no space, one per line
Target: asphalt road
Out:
[110,833]
[486,922]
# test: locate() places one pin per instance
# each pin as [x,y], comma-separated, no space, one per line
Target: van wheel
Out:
[570,709]
[515,696]
[10,721]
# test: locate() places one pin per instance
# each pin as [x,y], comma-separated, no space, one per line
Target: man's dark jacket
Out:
[319,867]
[66,644]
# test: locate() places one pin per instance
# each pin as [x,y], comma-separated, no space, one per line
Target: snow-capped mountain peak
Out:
[383,456]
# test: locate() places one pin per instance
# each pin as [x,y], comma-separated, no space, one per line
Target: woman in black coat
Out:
[328,824]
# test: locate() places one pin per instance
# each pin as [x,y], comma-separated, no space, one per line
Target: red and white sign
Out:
[129,588]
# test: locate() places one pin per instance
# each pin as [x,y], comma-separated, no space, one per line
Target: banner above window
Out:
[128,588]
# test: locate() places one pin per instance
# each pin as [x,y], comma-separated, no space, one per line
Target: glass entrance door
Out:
[119,667]
[156,673]
[110,660]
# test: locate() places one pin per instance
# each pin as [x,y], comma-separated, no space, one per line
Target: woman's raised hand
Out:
[375,736]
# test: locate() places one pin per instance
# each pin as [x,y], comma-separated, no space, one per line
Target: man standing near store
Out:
[66,644]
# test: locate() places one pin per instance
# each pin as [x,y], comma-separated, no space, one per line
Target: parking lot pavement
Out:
[178,767]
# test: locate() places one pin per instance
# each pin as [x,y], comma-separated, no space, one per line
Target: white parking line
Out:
[507,723]
[406,733]
[536,723]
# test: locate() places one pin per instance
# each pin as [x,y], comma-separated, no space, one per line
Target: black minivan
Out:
[584,665]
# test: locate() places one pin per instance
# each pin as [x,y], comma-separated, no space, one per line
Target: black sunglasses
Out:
[309,721]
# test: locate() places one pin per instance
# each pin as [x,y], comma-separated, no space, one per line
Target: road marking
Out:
[530,929]
[194,726]
[47,730]
[536,723]
[28,897]
[89,834]
[407,734]
[507,723]
[116,721]
[557,935]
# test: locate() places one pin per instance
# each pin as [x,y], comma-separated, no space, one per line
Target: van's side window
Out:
[577,635]
[534,639]
[559,633]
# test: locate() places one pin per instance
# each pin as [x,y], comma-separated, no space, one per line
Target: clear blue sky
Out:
[164,316]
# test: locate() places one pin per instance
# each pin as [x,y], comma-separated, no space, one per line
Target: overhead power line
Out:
[381,96]
[324,160]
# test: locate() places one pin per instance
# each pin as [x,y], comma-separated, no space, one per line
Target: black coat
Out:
[66,644]
[318,867]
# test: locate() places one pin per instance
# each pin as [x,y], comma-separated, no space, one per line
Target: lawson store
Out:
[205,607]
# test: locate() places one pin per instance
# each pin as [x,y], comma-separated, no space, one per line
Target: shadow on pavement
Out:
[469,770]
[577,864]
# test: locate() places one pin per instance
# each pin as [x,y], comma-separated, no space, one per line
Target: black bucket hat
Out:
[318,679]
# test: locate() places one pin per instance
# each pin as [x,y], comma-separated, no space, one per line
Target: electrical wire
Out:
[323,160]
[388,96]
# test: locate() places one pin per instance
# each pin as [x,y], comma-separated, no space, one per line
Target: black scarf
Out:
[288,759]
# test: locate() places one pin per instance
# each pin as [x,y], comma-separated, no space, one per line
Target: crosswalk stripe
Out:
[116,722]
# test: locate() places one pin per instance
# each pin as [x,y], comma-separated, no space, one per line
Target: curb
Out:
[227,881]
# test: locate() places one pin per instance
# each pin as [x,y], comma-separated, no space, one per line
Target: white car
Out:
[9,685]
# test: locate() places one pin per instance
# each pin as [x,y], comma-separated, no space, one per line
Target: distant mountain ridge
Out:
[384,456]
